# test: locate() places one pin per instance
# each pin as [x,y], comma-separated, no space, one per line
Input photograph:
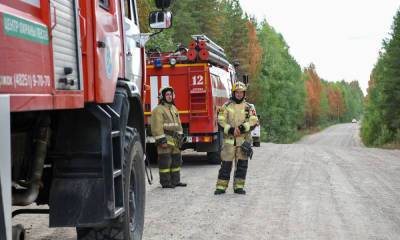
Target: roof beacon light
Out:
[172,62]
[157,63]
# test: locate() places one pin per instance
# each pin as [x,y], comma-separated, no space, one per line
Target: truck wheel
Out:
[129,226]
[18,232]
[256,144]
[214,157]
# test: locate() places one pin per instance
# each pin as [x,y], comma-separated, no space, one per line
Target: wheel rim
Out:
[132,202]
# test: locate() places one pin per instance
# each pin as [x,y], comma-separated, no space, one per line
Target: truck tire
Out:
[18,232]
[129,226]
[256,144]
[215,157]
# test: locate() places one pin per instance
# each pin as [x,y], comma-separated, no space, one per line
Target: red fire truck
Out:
[202,79]
[72,119]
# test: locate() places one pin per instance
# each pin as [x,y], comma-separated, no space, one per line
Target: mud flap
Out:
[82,191]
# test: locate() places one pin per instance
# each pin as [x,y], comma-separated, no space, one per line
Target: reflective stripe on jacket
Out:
[165,118]
[233,115]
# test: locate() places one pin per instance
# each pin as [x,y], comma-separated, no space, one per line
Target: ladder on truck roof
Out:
[210,44]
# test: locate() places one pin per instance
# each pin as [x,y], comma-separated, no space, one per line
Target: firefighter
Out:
[237,118]
[167,130]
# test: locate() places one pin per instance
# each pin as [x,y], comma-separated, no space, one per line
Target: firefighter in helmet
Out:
[237,118]
[167,130]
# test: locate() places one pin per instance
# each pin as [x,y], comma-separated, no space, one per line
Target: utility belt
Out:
[174,139]
[236,141]
[241,142]
[172,134]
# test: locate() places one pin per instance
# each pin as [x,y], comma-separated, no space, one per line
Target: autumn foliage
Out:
[336,105]
[254,62]
[313,101]
[330,102]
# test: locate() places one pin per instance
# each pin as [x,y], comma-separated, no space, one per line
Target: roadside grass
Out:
[392,146]
[385,140]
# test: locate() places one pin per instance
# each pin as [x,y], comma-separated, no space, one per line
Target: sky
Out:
[341,37]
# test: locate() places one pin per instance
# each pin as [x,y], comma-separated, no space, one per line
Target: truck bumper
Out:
[5,157]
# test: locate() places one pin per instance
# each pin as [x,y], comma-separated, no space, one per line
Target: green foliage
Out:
[353,100]
[163,41]
[282,105]
[381,124]
[325,116]
[144,7]
[184,21]
[397,137]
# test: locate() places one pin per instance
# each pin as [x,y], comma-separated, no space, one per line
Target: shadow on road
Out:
[192,159]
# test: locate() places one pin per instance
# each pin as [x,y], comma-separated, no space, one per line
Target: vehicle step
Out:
[117,173]
[115,134]
[118,211]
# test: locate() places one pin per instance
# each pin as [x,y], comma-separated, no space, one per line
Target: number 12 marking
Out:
[198,80]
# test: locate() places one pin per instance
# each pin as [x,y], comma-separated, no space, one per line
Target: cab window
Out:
[130,11]
[105,4]
[134,12]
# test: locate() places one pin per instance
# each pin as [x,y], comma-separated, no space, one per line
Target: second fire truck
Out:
[202,79]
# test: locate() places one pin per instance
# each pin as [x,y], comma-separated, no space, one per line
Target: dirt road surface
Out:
[328,186]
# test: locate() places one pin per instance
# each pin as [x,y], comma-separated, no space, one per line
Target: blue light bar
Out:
[157,63]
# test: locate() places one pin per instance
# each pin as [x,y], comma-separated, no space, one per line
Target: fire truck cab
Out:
[71,81]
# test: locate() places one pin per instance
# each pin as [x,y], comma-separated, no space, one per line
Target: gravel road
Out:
[327,186]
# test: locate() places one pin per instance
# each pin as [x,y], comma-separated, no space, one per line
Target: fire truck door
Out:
[67,57]
[5,169]
[133,69]
[108,48]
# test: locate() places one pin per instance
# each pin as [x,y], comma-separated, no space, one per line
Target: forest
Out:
[290,100]
[381,122]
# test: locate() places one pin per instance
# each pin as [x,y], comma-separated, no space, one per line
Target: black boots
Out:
[180,184]
[239,191]
[219,191]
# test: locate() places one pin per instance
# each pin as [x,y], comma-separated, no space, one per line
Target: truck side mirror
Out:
[245,79]
[163,4]
[160,19]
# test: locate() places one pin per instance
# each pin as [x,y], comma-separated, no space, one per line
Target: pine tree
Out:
[391,80]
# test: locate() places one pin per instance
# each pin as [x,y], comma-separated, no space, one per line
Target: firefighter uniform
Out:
[166,128]
[235,114]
